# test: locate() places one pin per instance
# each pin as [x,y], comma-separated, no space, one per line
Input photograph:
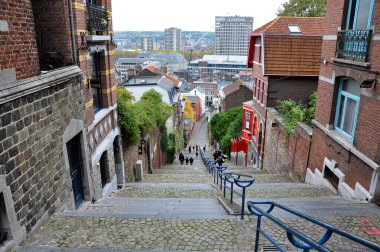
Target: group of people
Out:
[182,159]
[190,160]
[218,157]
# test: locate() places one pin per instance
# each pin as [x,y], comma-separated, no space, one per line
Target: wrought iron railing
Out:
[97,18]
[353,45]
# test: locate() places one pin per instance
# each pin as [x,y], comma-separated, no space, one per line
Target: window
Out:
[359,14]
[347,107]
[96,83]
[247,119]
[262,92]
[294,28]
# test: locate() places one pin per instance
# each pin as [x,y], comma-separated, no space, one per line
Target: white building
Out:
[232,35]
[173,40]
[147,43]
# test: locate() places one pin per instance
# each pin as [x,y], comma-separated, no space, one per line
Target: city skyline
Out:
[201,14]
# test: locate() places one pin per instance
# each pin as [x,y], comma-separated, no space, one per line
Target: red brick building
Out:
[345,149]
[234,95]
[284,55]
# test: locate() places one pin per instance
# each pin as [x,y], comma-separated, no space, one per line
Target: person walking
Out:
[204,148]
[187,160]
[196,154]
[215,155]
[220,160]
[191,160]
[196,148]
[181,158]
[189,149]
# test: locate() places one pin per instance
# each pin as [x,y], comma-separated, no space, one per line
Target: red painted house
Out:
[284,55]
[345,148]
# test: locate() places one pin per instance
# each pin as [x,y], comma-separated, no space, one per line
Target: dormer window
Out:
[294,29]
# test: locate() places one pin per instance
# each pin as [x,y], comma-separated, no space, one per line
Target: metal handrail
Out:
[304,241]
[241,180]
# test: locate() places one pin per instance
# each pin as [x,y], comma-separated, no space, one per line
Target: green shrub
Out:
[293,113]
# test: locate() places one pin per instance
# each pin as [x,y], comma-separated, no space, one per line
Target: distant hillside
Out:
[134,36]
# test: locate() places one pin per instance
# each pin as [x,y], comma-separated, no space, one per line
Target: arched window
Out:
[347,107]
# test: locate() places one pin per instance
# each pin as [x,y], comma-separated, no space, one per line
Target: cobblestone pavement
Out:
[191,235]
[188,190]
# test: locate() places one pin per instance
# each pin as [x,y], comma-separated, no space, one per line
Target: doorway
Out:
[74,152]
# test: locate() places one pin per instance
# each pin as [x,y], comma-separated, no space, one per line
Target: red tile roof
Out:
[307,25]
[232,88]
[174,80]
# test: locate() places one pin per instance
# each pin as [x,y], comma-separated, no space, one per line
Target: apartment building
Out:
[173,39]
[232,35]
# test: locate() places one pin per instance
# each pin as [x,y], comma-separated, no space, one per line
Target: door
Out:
[74,153]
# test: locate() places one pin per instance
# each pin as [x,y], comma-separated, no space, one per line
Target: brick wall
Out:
[31,153]
[295,88]
[237,98]
[352,166]
[328,142]
[286,154]
[52,22]
[18,46]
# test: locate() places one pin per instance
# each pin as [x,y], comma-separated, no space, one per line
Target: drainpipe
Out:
[72,32]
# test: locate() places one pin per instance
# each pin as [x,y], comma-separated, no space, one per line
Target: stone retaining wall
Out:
[286,154]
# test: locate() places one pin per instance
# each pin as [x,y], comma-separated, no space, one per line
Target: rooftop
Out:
[306,25]
[222,59]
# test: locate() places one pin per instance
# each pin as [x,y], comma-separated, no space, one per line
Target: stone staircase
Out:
[176,209]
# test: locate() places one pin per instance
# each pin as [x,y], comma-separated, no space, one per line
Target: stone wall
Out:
[34,115]
[286,154]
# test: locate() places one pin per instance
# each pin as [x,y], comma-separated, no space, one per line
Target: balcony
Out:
[98,20]
[353,45]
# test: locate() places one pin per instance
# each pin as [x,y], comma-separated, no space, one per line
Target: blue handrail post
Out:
[224,193]
[221,181]
[257,233]
[242,204]
[232,192]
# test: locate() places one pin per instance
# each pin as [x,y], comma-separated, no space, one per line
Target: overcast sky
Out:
[192,15]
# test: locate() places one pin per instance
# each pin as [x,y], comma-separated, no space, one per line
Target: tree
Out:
[128,118]
[303,8]
[226,126]
[188,111]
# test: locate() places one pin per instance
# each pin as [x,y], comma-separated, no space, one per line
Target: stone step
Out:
[56,249]
[152,207]
[323,206]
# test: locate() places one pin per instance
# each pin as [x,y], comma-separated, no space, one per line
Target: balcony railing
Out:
[97,18]
[353,45]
